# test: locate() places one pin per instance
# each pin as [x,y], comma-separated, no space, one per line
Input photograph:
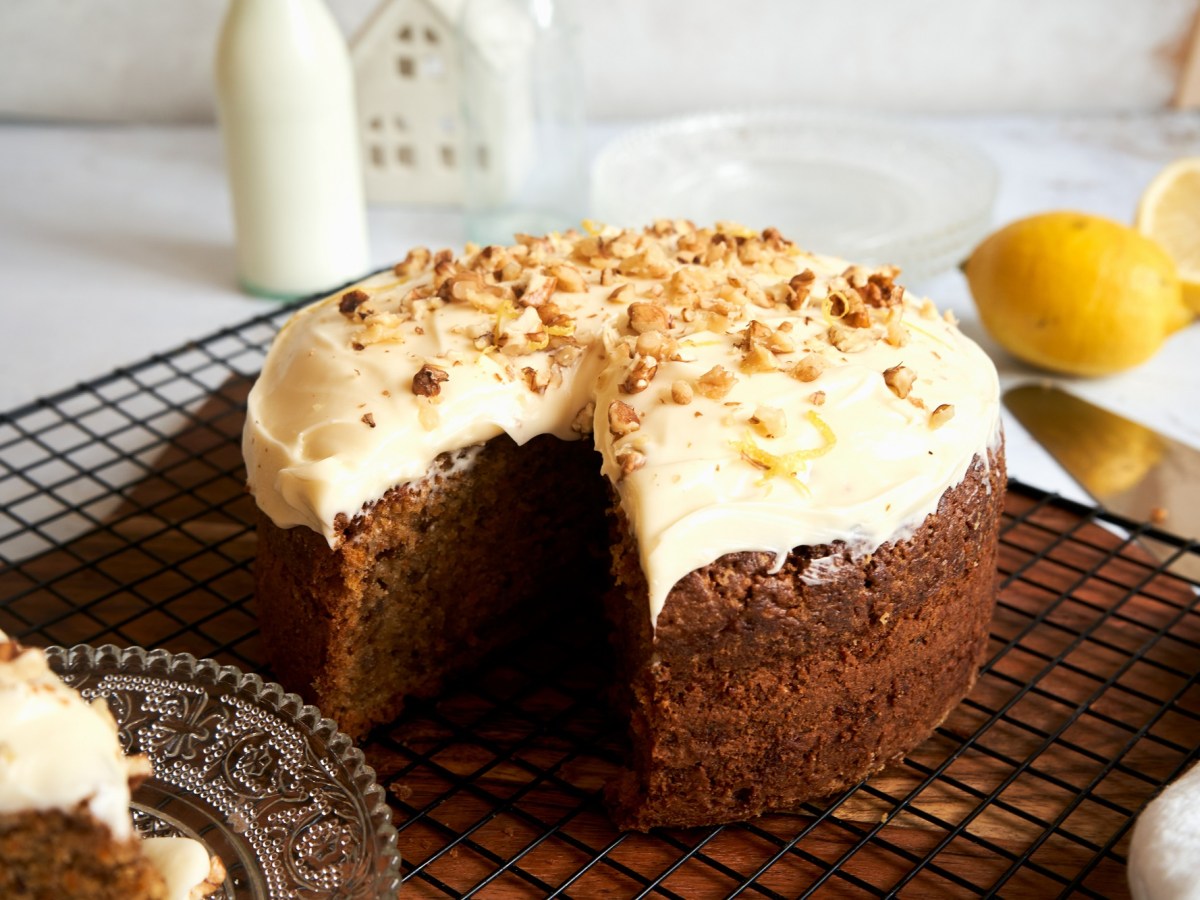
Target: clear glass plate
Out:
[268,785]
[868,189]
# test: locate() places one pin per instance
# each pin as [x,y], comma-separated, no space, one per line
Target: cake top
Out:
[56,750]
[744,394]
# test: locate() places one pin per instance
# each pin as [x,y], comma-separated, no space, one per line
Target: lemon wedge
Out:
[1169,213]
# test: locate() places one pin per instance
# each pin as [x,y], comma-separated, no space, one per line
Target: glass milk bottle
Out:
[285,96]
[524,168]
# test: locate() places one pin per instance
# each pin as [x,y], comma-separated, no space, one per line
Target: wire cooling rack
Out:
[123,519]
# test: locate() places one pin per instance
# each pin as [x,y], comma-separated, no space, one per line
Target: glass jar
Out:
[524,165]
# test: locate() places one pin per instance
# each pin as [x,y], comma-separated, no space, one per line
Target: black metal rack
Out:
[123,519]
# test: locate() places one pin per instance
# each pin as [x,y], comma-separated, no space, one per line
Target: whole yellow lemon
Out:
[1076,293]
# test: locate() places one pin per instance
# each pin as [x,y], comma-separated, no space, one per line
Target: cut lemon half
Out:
[1169,213]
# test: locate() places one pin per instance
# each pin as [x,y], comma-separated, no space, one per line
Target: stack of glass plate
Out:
[869,189]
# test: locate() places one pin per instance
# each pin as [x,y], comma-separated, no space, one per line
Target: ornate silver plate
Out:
[268,785]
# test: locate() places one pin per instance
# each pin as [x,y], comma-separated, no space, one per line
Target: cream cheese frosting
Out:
[743,394]
[56,750]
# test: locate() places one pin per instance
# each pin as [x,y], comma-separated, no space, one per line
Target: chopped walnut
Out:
[759,359]
[631,460]
[780,342]
[654,343]
[414,263]
[809,368]
[941,415]
[850,340]
[817,398]
[567,355]
[687,284]
[769,421]
[535,380]
[583,421]
[753,335]
[522,335]
[369,420]
[570,279]
[878,289]
[622,419]
[800,284]
[648,317]
[651,262]
[681,392]
[897,334]
[606,278]
[849,309]
[537,288]
[469,287]
[899,380]
[622,293]
[351,301]
[428,380]
[715,383]
[639,377]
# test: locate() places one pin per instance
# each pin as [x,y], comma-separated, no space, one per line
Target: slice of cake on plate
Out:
[65,827]
[799,466]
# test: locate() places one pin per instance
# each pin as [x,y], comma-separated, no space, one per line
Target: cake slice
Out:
[65,827]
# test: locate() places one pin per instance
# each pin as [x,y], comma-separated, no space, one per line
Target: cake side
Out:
[760,690]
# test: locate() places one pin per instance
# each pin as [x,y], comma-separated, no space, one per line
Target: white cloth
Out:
[1164,855]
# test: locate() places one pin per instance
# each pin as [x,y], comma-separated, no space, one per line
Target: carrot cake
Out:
[786,470]
[65,828]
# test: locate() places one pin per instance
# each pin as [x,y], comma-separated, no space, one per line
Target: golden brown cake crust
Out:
[52,855]
[760,691]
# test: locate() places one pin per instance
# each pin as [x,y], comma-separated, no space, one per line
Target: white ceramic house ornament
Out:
[406,64]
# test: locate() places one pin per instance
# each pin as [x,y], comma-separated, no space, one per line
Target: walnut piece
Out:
[415,262]
[351,301]
[759,359]
[809,368]
[769,421]
[631,460]
[850,340]
[622,419]
[537,289]
[941,415]
[681,392]
[428,380]
[648,317]
[800,284]
[369,419]
[899,380]
[639,377]
[716,383]
[570,279]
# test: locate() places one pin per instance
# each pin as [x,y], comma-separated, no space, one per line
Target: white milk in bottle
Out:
[285,95]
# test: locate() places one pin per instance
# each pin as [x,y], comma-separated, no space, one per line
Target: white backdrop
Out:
[149,60]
